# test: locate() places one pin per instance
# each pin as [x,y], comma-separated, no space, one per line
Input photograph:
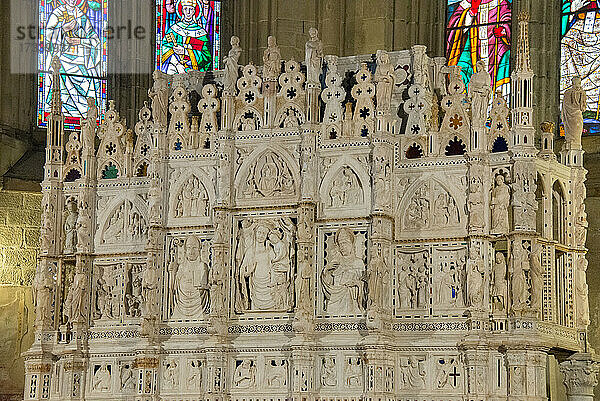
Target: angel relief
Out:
[264,265]
[192,199]
[269,177]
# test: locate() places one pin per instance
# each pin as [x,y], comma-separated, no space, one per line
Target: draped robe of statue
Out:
[191,284]
[342,281]
[574,104]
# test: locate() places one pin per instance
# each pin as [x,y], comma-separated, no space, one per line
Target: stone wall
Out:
[16,336]
[20,214]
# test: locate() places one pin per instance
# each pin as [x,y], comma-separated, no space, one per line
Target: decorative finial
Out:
[56,102]
[523,63]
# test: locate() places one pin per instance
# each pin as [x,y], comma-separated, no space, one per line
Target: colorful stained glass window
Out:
[187,35]
[73,30]
[580,55]
[480,30]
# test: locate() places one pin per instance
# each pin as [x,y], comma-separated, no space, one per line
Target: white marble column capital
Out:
[580,376]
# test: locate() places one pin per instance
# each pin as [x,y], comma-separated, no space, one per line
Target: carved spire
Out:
[56,103]
[523,63]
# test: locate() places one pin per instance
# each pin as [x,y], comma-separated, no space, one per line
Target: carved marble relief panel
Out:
[428,205]
[116,290]
[267,176]
[345,189]
[264,264]
[449,278]
[186,294]
[122,222]
[341,271]
[192,195]
[412,280]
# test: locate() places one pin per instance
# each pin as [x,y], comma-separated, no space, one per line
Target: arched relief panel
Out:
[122,223]
[267,176]
[191,197]
[431,208]
[345,190]
[290,115]
[248,119]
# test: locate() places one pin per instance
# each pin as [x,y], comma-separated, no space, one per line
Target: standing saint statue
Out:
[475,278]
[185,46]
[271,60]
[70,218]
[231,67]
[480,89]
[499,290]
[384,77]
[74,303]
[574,104]
[313,56]
[499,205]
[159,95]
[42,284]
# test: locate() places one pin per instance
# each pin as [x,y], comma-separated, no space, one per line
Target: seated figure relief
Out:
[189,273]
[269,177]
[192,200]
[345,189]
[343,277]
[265,265]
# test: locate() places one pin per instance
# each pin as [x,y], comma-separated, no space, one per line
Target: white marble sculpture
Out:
[231,67]
[295,237]
[574,104]
[313,56]
[480,89]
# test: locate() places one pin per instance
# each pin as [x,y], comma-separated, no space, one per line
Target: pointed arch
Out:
[363,181]
[285,164]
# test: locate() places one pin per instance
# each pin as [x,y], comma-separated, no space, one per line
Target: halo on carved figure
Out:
[191,197]
[345,189]
[123,224]
[429,205]
[269,172]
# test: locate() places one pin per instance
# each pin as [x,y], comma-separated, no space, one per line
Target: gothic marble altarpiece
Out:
[343,228]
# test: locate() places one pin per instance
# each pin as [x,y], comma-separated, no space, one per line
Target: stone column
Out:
[580,376]
[302,370]
[147,365]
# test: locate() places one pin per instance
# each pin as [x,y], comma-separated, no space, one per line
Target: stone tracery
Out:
[231,256]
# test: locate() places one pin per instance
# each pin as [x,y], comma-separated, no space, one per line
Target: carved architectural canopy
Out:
[360,234]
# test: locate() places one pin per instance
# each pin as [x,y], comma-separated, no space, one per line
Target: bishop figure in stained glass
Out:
[185,45]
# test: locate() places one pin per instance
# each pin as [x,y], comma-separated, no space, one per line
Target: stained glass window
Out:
[73,30]
[580,55]
[187,35]
[480,30]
